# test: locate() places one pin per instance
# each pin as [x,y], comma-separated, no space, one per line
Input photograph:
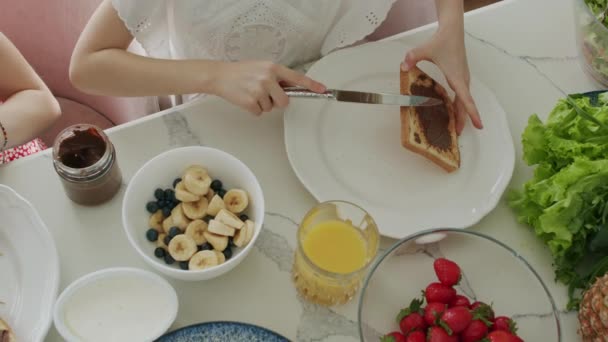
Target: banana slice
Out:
[236,200]
[156,221]
[243,236]
[217,227]
[167,224]
[210,195]
[184,195]
[195,230]
[217,241]
[179,218]
[197,181]
[161,241]
[202,260]
[195,210]
[194,168]
[220,257]
[229,219]
[182,247]
[216,204]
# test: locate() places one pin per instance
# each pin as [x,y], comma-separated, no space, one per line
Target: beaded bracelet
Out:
[4,136]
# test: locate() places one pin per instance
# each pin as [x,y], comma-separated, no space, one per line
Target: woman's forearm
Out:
[116,72]
[26,114]
[450,14]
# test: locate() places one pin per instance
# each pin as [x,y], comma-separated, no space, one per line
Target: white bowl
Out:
[160,172]
[114,304]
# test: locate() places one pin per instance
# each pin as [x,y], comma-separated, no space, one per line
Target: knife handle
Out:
[305,93]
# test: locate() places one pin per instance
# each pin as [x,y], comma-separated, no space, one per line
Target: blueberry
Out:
[244,217]
[177,180]
[205,247]
[231,242]
[169,195]
[151,207]
[221,193]
[207,218]
[183,265]
[161,203]
[169,259]
[159,252]
[174,231]
[167,211]
[175,204]
[159,194]
[227,253]
[152,235]
[167,240]
[216,185]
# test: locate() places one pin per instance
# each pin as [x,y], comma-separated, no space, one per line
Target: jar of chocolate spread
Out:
[85,160]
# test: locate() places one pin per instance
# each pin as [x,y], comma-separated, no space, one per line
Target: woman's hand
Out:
[446,49]
[256,85]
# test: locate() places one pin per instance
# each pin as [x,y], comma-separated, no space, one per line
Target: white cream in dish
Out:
[116,305]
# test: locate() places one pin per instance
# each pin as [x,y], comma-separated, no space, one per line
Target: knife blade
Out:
[364,97]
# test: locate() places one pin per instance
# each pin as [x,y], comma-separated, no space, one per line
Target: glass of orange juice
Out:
[337,241]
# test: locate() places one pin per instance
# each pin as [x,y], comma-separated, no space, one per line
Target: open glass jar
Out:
[85,160]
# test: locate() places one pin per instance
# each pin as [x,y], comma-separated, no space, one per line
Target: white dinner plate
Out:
[29,268]
[353,152]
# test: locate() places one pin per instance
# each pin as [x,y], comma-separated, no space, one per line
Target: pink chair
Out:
[46,32]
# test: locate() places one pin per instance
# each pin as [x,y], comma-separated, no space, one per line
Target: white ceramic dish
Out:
[29,268]
[116,304]
[353,152]
[160,172]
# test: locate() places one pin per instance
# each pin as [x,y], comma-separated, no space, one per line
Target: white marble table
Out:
[517,48]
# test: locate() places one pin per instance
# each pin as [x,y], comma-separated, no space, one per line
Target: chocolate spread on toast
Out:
[434,119]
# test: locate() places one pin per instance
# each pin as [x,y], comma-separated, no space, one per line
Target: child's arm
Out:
[101,65]
[29,107]
[446,49]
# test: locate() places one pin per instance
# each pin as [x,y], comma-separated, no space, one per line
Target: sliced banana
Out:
[229,219]
[167,224]
[179,218]
[182,247]
[220,257]
[184,195]
[216,204]
[217,227]
[196,230]
[161,241]
[236,200]
[243,236]
[217,241]
[202,260]
[195,210]
[194,168]
[156,221]
[197,181]
[210,195]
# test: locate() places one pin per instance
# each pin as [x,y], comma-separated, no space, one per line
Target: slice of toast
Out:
[6,334]
[429,131]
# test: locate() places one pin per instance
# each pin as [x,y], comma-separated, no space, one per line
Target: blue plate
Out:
[222,331]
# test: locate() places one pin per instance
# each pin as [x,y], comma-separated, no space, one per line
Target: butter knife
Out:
[364,97]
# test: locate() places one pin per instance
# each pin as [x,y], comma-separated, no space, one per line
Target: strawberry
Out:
[416,336]
[476,331]
[395,336]
[483,310]
[437,334]
[437,292]
[460,300]
[410,318]
[502,336]
[505,323]
[447,271]
[433,311]
[455,320]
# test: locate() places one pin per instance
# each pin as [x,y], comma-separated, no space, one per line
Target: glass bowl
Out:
[491,272]
[592,40]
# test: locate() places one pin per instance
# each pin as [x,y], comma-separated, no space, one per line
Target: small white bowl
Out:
[116,304]
[160,172]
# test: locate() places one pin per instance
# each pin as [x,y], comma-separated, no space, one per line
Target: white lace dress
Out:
[290,32]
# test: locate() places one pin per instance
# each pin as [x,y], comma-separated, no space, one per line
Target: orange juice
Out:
[335,246]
